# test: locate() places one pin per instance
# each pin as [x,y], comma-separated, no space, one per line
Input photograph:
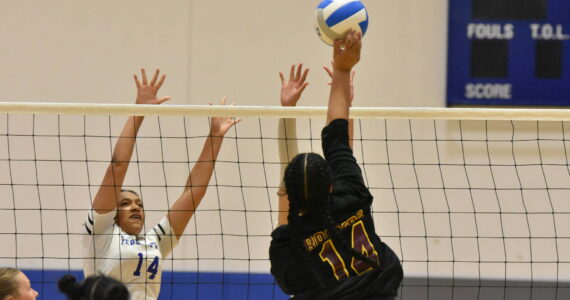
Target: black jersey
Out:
[344,276]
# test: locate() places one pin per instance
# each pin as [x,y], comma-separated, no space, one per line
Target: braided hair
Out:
[93,288]
[308,180]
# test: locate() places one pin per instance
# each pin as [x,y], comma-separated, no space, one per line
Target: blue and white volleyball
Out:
[334,18]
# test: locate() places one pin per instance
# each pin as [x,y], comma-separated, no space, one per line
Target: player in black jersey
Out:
[329,248]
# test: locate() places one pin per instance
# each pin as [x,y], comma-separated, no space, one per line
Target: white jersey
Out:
[134,260]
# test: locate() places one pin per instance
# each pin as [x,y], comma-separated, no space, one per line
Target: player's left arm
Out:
[198,179]
[291,91]
[107,196]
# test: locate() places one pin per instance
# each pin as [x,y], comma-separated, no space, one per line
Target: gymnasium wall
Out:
[70,51]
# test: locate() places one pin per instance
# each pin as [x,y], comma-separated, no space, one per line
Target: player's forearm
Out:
[126,142]
[199,178]
[287,133]
[196,186]
[288,148]
[350,133]
[287,141]
[339,99]
[106,198]
[283,206]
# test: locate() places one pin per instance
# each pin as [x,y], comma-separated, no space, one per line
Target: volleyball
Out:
[334,18]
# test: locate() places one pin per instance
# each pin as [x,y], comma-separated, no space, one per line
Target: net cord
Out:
[432,113]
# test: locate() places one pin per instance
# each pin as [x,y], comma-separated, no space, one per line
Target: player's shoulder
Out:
[158,231]
[280,233]
[281,241]
[305,226]
[347,204]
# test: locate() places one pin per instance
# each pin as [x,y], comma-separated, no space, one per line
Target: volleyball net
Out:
[475,202]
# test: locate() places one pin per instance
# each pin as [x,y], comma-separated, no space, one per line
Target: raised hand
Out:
[330,72]
[146,91]
[347,52]
[220,125]
[291,91]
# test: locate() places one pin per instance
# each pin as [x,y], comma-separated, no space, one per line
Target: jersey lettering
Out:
[138,270]
[330,255]
[360,242]
[127,240]
[152,269]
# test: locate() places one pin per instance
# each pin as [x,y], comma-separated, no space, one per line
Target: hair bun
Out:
[118,292]
[69,286]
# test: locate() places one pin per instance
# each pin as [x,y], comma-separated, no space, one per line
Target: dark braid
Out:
[308,180]
[291,176]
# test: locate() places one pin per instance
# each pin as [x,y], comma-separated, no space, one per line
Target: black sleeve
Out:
[339,155]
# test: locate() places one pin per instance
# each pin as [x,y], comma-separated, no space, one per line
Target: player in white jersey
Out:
[115,244]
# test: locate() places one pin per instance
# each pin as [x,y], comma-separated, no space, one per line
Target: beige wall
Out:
[79,51]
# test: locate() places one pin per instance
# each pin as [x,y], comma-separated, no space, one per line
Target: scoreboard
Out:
[509,52]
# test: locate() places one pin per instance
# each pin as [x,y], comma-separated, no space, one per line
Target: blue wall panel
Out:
[212,286]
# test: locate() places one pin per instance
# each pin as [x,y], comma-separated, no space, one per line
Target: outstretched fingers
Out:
[329,71]
[304,76]
[347,52]
[221,125]
[352,41]
[299,70]
[160,82]
[163,99]
[222,102]
[155,77]
[359,41]
[156,81]
[143,74]
[349,41]
[137,82]
[147,91]
[338,44]
[303,87]
[234,120]
[296,75]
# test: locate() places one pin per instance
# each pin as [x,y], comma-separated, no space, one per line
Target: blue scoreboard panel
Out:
[509,52]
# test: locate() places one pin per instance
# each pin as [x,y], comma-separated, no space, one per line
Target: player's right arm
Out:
[337,134]
[107,196]
[291,91]
[350,121]
[346,55]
